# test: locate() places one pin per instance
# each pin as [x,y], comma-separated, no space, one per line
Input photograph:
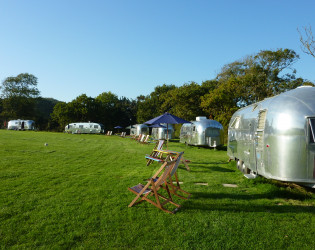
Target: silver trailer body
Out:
[138,129]
[84,128]
[202,132]
[275,138]
[161,133]
[21,125]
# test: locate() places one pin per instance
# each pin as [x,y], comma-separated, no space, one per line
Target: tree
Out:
[19,96]
[223,101]
[184,101]
[43,108]
[81,109]
[307,41]
[127,111]
[151,105]
[108,109]
[250,80]
[84,108]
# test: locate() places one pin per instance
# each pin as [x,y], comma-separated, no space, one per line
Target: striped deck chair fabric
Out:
[154,155]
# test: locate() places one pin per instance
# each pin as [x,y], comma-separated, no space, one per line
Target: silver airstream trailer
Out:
[163,132]
[275,138]
[84,128]
[202,132]
[21,125]
[138,129]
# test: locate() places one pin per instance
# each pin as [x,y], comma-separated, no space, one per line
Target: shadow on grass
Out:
[252,208]
[220,169]
[209,162]
[237,207]
[206,166]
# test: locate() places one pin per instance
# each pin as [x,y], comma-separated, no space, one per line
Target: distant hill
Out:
[45,106]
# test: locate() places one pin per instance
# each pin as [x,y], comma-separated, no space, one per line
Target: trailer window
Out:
[236,123]
[261,119]
[212,132]
[186,129]
[80,126]
[312,130]
[95,126]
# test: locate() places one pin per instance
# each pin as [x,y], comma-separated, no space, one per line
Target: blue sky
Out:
[128,47]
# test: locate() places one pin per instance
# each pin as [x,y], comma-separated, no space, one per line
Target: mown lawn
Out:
[73,194]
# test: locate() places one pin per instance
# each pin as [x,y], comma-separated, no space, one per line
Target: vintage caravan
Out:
[138,129]
[202,132]
[84,128]
[163,132]
[275,138]
[21,125]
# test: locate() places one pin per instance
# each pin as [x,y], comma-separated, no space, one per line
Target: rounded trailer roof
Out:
[303,96]
[297,101]
[205,123]
[21,120]
[285,112]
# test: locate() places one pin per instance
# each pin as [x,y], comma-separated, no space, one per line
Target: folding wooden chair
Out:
[174,186]
[132,137]
[155,155]
[142,138]
[161,156]
[137,137]
[149,192]
[145,140]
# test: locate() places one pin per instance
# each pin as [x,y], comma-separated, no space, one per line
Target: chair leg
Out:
[185,163]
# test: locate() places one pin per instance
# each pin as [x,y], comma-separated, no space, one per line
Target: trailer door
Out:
[259,141]
[193,138]
[311,149]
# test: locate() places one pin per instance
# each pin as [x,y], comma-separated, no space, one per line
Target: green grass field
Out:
[73,194]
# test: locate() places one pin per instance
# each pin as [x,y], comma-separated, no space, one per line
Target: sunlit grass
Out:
[73,193]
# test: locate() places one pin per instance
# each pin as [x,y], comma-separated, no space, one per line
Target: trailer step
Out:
[250,176]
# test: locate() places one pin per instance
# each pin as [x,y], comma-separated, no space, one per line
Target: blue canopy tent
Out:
[118,127]
[168,119]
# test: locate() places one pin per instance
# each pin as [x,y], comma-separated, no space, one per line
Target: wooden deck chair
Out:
[142,138]
[175,188]
[172,153]
[146,139]
[132,137]
[138,137]
[158,146]
[150,191]
[174,185]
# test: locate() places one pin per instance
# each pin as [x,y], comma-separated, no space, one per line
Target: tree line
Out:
[238,84]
